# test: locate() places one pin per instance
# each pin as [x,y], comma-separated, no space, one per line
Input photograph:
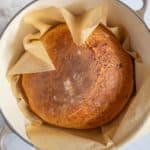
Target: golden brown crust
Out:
[91,84]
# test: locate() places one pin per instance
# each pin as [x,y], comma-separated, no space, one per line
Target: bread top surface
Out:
[91,84]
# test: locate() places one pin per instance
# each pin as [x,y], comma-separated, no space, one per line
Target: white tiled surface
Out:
[7,9]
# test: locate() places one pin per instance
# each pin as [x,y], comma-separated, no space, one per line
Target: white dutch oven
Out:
[119,14]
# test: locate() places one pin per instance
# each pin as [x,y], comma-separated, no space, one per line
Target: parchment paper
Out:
[132,122]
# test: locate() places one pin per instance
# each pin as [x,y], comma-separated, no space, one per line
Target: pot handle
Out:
[142,11]
[4,131]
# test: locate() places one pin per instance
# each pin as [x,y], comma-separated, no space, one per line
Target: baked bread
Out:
[91,84]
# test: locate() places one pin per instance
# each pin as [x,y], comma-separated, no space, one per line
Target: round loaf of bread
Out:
[91,84]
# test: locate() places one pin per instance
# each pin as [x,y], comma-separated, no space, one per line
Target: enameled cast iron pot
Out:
[119,14]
